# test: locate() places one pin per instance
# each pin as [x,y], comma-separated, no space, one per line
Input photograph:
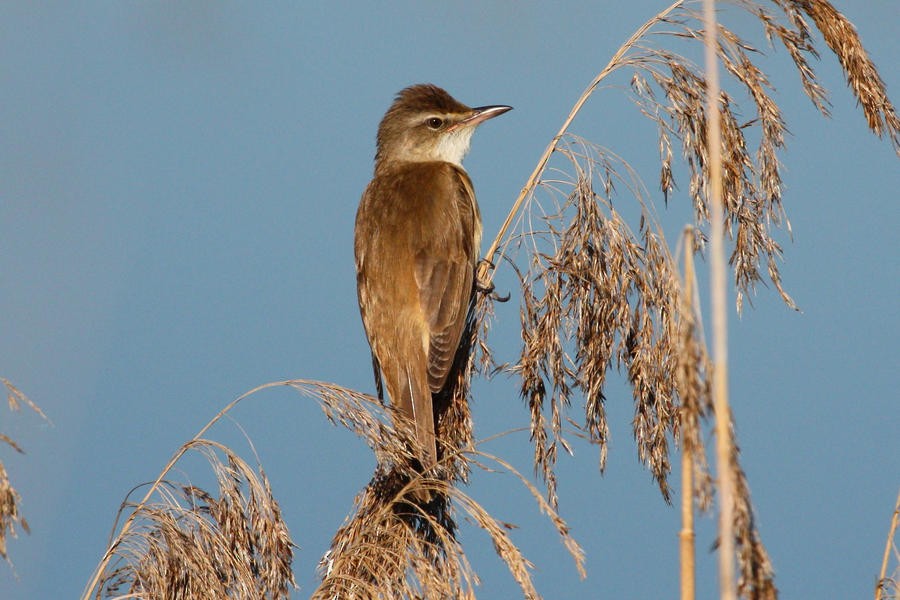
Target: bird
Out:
[416,242]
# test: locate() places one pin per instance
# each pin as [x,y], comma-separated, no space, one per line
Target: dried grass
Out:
[687,537]
[888,586]
[598,293]
[716,148]
[180,541]
[10,517]
[395,546]
[400,542]
[189,543]
[862,76]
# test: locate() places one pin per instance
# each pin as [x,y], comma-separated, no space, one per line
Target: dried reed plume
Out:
[9,508]
[189,543]
[599,291]
[400,542]
[394,546]
[10,518]
[181,541]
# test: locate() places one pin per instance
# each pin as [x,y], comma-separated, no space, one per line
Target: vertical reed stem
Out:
[686,535]
[719,310]
[879,589]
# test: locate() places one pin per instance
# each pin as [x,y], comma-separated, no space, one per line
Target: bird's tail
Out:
[415,401]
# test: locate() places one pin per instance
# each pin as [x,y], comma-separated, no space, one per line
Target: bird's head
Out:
[425,123]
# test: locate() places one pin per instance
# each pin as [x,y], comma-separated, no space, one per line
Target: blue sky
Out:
[178,183]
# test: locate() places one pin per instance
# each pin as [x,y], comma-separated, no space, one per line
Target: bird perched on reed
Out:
[417,238]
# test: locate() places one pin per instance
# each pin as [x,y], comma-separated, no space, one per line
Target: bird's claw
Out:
[483,283]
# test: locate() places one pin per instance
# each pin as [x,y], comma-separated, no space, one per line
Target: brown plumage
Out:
[418,233]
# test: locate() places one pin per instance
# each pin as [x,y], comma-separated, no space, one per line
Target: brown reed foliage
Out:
[396,546]
[189,543]
[10,517]
[9,509]
[597,293]
[400,542]
[179,541]
[862,76]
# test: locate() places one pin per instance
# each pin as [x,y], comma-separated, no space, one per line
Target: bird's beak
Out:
[480,115]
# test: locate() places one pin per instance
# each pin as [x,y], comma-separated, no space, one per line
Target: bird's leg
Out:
[483,283]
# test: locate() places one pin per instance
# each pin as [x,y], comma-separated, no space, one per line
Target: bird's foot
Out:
[483,283]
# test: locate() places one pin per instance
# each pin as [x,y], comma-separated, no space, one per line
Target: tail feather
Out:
[417,396]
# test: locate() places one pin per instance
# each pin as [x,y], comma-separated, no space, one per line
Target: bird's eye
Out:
[434,122]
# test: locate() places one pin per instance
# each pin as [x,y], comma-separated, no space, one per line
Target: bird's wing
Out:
[417,234]
[444,270]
